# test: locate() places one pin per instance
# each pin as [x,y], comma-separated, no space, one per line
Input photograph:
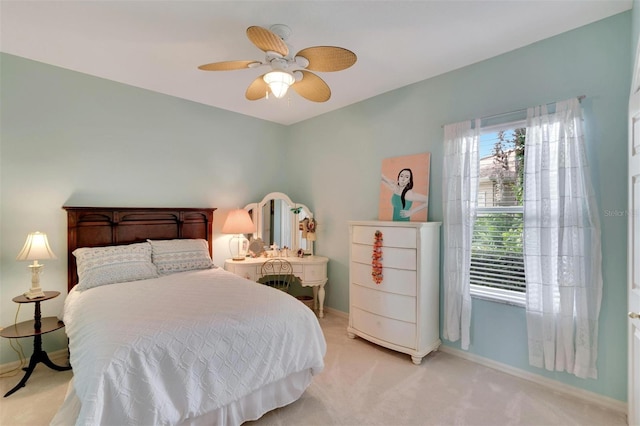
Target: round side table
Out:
[34,328]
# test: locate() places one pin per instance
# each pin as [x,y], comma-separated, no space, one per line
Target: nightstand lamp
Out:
[36,248]
[238,222]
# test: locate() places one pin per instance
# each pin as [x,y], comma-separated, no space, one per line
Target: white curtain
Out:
[460,200]
[561,243]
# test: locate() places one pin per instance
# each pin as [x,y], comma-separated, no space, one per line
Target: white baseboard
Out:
[592,397]
[336,312]
[58,357]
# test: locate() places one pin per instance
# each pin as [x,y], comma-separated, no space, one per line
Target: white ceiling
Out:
[158,45]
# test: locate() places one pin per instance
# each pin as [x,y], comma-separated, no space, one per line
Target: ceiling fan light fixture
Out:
[287,69]
[278,82]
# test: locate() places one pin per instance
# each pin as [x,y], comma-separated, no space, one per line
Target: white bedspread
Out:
[163,350]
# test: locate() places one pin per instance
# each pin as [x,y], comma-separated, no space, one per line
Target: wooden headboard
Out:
[108,226]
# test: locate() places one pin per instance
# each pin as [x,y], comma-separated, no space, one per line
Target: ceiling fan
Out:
[288,70]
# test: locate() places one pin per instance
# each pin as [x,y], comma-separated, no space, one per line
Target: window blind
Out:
[496,249]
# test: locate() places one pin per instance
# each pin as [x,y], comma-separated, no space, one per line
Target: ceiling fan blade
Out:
[312,87]
[266,40]
[328,58]
[257,89]
[227,65]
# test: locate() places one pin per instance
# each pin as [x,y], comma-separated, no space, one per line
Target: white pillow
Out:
[113,264]
[172,256]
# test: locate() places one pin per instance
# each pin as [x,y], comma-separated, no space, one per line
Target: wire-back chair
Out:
[277,273]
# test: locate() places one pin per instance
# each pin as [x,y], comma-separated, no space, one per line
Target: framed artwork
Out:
[404,189]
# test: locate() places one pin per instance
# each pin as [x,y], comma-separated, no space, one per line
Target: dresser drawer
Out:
[400,258]
[250,272]
[314,272]
[393,331]
[400,281]
[391,236]
[297,270]
[389,305]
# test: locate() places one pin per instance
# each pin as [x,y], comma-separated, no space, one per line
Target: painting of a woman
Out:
[405,196]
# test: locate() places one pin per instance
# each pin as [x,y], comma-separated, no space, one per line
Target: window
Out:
[497,263]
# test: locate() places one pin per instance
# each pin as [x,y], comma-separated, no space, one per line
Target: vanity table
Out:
[312,271]
[277,221]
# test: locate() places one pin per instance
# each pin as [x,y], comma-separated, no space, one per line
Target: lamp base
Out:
[235,259]
[34,293]
[238,247]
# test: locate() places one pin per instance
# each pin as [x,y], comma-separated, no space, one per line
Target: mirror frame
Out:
[259,220]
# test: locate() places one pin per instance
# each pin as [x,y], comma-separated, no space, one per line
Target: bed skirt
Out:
[251,407]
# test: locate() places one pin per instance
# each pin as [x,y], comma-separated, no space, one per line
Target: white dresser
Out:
[312,271]
[402,312]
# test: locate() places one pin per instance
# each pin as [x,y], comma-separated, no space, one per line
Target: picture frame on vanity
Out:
[256,247]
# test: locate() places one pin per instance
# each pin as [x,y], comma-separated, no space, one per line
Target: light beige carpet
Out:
[363,384]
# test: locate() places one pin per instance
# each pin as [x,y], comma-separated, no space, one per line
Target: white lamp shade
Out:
[278,82]
[36,248]
[238,222]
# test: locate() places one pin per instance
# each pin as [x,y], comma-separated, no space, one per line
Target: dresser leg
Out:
[417,360]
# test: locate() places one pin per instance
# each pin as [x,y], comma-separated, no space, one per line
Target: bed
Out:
[179,343]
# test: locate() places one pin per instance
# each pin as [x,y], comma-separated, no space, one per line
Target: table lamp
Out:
[238,222]
[36,248]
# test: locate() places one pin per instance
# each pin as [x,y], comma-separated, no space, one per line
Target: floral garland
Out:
[376,258]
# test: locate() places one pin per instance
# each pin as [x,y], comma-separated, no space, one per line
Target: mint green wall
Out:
[62,131]
[69,138]
[341,178]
